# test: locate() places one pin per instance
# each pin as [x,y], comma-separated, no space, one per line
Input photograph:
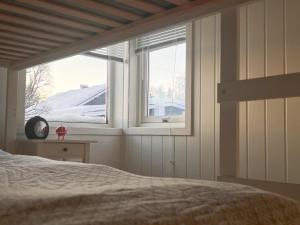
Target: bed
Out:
[37,191]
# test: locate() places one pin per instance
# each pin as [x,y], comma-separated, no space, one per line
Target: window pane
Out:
[166,81]
[69,90]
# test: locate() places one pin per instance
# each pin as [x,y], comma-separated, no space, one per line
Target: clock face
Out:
[37,128]
[40,129]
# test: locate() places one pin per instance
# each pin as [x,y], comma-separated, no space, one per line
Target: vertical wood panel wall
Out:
[188,156]
[269,130]
[3,83]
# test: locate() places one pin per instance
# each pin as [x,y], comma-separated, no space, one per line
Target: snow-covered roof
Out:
[74,98]
[72,105]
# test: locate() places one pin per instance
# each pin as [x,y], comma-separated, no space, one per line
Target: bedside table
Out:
[67,150]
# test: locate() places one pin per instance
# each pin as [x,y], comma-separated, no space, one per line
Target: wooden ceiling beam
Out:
[13,53]
[4,63]
[100,7]
[30,40]
[186,12]
[42,26]
[23,45]
[17,49]
[142,5]
[6,56]
[63,10]
[178,2]
[49,19]
[36,34]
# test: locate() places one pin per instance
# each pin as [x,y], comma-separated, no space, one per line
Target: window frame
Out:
[75,128]
[135,124]
[143,66]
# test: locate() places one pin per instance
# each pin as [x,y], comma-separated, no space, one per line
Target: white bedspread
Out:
[38,191]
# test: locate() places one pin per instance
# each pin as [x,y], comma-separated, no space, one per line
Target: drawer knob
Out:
[65,149]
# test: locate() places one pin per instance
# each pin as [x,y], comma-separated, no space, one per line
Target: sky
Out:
[165,64]
[71,72]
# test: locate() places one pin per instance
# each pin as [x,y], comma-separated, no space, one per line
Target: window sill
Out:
[158,131]
[87,131]
[105,131]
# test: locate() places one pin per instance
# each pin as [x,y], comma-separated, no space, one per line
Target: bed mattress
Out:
[36,191]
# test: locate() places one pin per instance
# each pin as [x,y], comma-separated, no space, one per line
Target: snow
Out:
[159,104]
[74,97]
[70,106]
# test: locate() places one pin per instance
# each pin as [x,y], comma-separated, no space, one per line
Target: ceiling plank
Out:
[4,63]
[37,34]
[71,12]
[142,5]
[180,14]
[6,56]
[29,39]
[49,18]
[178,2]
[23,44]
[13,53]
[100,7]
[17,49]
[42,26]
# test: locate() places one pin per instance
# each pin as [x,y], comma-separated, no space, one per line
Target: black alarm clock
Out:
[37,128]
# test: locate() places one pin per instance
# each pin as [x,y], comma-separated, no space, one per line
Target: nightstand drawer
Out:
[67,150]
[60,149]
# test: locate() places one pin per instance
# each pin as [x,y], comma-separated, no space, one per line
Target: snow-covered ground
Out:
[72,106]
[86,105]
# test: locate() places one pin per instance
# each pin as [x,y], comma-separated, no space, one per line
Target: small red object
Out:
[61,132]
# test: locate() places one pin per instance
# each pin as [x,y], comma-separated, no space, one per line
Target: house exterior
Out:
[88,104]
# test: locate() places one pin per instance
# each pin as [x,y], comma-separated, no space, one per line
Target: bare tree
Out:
[179,87]
[37,81]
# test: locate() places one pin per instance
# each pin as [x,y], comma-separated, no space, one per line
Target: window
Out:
[75,89]
[160,83]
[165,82]
[161,62]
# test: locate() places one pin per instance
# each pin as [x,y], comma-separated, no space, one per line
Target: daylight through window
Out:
[162,61]
[74,89]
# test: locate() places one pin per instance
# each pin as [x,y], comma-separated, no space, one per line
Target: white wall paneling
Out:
[268,136]
[207,97]
[193,156]
[168,156]
[133,154]
[11,108]
[275,108]
[292,50]
[180,149]
[3,83]
[256,109]
[269,129]
[146,159]
[217,105]
[242,166]
[193,142]
[228,110]
[157,156]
